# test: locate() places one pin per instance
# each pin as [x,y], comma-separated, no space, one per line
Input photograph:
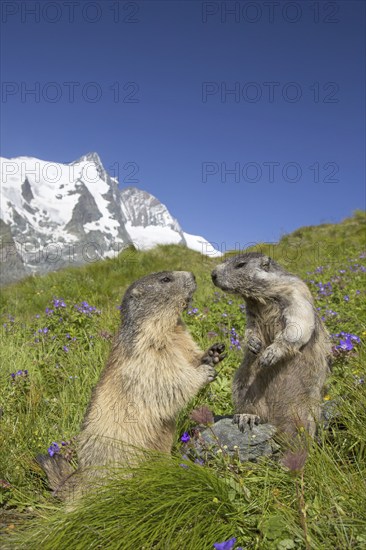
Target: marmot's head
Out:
[159,296]
[251,275]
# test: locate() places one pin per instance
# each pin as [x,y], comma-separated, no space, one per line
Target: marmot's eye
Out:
[165,280]
[240,264]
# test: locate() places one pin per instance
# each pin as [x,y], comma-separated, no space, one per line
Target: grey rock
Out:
[85,211]
[27,191]
[11,264]
[329,413]
[247,446]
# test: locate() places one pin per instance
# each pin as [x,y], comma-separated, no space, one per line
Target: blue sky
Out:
[246,119]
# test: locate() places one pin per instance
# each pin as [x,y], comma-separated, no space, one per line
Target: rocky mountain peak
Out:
[78,211]
[89,157]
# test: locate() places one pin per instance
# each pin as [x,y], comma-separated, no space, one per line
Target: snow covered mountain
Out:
[53,215]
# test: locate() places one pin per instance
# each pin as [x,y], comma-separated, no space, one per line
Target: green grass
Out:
[164,505]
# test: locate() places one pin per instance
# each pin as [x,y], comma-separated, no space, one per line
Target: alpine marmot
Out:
[287,351]
[153,371]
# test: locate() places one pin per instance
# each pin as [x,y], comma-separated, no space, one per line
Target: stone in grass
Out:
[252,443]
[329,413]
[247,446]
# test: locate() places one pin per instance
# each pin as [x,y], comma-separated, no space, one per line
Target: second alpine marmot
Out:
[286,360]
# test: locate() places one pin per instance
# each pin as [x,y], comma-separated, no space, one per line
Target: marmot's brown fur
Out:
[287,351]
[153,371]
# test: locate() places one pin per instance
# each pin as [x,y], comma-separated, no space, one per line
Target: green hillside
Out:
[51,354]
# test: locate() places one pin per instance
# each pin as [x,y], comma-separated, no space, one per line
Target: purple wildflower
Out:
[346,298]
[330,312]
[185,437]
[345,345]
[53,449]
[227,545]
[22,373]
[234,339]
[65,348]
[324,289]
[58,303]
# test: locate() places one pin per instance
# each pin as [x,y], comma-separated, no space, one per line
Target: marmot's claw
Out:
[219,348]
[254,344]
[211,373]
[270,356]
[246,420]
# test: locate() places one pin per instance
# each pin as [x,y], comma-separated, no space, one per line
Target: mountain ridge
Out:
[57,214]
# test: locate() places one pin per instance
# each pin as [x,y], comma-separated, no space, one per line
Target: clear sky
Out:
[247,119]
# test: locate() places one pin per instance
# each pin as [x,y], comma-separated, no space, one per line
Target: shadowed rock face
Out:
[71,214]
[144,209]
[85,211]
[11,264]
[27,191]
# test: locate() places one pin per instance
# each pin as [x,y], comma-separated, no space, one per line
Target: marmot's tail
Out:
[57,468]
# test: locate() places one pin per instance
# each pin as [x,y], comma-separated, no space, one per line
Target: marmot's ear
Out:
[266,263]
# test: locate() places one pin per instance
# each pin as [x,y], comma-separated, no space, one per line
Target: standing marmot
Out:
[153,371]
[287,349]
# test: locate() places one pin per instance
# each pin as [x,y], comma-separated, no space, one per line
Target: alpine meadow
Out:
[56,333]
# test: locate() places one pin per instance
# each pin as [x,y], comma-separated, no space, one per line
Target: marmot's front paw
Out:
[245,421]
[214,355]
[270,356]
[254,344]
